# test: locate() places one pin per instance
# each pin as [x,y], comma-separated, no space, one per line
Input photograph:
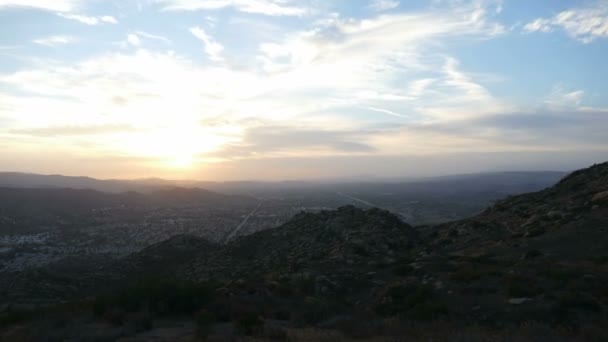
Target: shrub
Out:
[571,301]
[521,287]
[428,310]
[412,301]
[250,324]
[403,270]
[14,316]
[162,297]
[204,322]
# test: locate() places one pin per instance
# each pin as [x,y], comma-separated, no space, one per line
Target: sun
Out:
[181,161]
[174,147]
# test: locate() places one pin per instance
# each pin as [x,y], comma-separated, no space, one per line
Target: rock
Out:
[601,197]
[589,277]
[532,220]
[519,301]
[555,215]
[532,254]
[535,232]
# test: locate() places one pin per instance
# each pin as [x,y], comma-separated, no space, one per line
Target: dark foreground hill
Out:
[532,267]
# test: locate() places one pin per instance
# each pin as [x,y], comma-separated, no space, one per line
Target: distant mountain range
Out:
[28,180]
[510,182]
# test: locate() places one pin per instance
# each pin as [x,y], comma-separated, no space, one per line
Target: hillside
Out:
[530,266]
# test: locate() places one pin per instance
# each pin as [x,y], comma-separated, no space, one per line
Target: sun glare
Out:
[174,147]
[181,161]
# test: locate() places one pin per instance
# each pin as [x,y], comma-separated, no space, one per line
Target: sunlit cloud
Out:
[212,47]
[383,5]
[55,40]
[190,93]
[89,20]
[562,98]
[267,7]
[583,23]
[55,5]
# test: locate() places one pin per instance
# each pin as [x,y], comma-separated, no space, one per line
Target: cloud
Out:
[89,20]
[54,5]
[266,7]
[153,37]
[560,97]
[63,8]
[542,129]
[276,141]
[340,86]
[386,111]
[584,24]
[212,47]
[133,39]
[137,38]
[73,130]
[55,40]
[383,5]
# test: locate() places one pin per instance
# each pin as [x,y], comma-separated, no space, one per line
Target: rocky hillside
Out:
[568,220]
[345,240]
[531,266]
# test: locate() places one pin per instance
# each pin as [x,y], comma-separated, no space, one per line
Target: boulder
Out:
[600,198]
[519,301]
[555,215]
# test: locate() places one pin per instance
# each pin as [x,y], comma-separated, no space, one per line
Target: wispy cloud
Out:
[212,47]
[560,97]
[153,37]
[73,130]
[137,38]
[284,141]
[386,111]
[55,40]
[133,39]
[89,20]
[383,5]
[584,23]
[266,7]
[54,5]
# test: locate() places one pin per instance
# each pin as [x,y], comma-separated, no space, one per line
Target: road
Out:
[357,199]
[242,224]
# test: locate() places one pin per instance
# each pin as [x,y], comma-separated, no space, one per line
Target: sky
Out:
[301,89]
